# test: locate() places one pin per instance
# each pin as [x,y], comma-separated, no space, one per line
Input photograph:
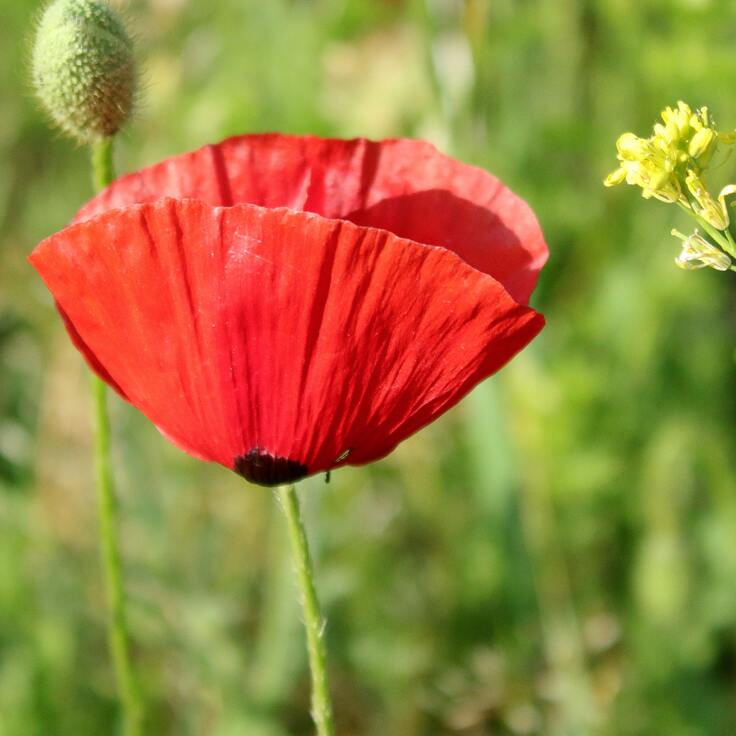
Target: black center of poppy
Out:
[259,466]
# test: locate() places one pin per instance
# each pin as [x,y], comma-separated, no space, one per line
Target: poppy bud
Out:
[83,68]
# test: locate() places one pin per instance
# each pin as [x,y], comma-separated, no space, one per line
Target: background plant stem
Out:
[117,630]
[313,621]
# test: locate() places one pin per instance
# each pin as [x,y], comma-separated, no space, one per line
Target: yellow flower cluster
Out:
[669,166]
[684,140]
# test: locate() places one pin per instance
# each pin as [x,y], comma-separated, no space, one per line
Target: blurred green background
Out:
[555,556]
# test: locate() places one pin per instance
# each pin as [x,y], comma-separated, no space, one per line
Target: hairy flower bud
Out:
[83,68]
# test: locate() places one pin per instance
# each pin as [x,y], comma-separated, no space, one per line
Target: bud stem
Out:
[117,627]
[107,506]
[102,167]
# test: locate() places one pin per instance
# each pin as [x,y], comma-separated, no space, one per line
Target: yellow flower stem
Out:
[117,630]
[314,624]
[731,242]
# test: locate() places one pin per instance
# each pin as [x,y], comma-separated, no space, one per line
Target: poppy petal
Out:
[88,355]
[279,342]
[405,186]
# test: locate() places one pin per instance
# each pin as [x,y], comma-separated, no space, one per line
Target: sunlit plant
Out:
[670,165]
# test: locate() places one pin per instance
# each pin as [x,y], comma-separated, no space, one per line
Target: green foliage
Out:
[557,556]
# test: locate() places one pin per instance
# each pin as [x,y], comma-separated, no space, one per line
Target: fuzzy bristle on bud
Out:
[83,68]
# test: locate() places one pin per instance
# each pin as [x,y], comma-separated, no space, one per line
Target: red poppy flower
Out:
[283,305]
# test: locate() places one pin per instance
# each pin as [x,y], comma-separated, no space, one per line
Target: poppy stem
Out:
[117,630]
[314,623]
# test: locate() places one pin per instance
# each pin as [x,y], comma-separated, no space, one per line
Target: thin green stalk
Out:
[731,242]
[102,166]
[117,630]
[313,621]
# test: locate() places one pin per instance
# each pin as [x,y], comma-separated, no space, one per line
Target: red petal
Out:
[247,329]
[404,186]
[89,356]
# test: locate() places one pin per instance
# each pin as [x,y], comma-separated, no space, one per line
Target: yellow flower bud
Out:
[701,142]
[615,177]
[630,147]
[713,212]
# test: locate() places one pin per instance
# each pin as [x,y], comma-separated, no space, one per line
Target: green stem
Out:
[117,630]
[313,621]
[732,250]
[102,166]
